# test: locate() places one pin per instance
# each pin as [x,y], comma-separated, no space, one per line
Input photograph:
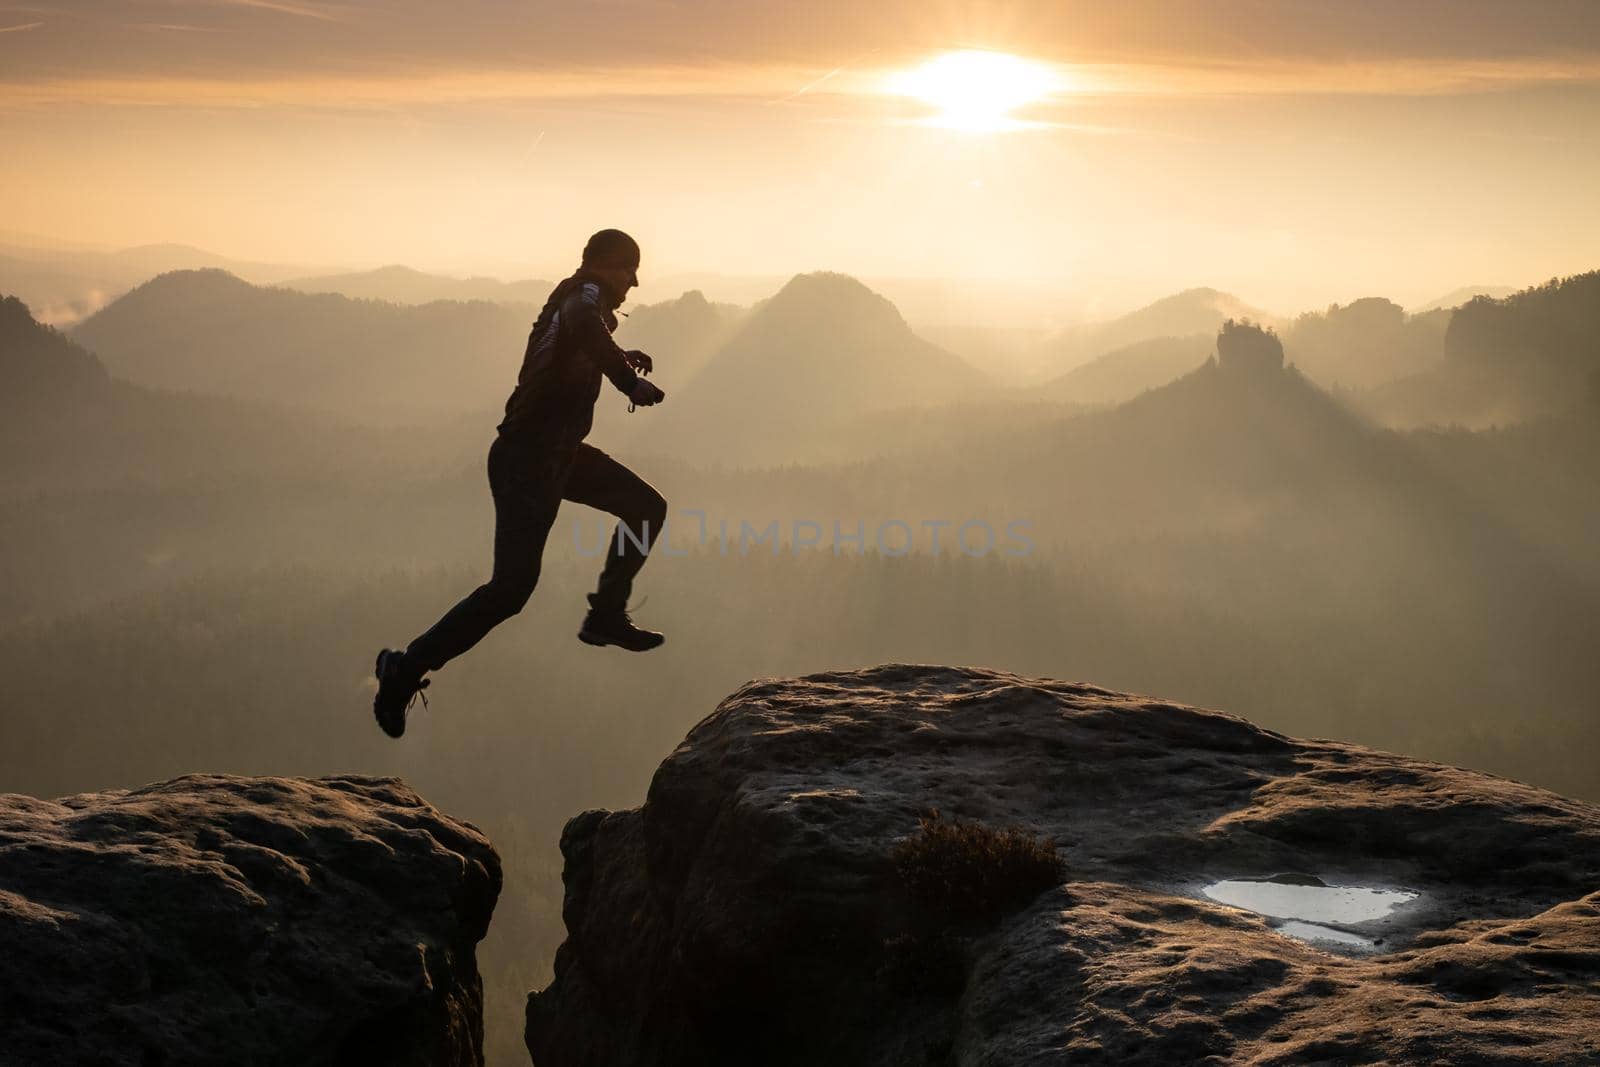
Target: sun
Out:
[976,90]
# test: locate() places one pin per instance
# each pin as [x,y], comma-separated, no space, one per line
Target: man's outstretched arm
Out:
[587,321]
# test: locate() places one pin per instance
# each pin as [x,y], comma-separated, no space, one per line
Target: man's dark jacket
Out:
[569,348]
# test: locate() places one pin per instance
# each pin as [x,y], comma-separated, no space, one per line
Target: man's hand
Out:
[645,394]
[639,361]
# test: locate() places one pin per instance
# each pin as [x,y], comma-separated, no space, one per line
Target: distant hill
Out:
[1531,354]
[64,284]
[1365,343]
[37,362]
[1242,491]
[682,334]
[403,285]
[824,348]
[1126,372]
[1194,450]
[1244,485]
[1456,297]
[366,360]
[1193,311]
[68,426]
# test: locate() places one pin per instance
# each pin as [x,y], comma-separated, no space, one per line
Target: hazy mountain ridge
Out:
[1123,373]
[681,335]
[1456,297]
[685,332]
[36,359]
[1392,363]
[71,426]
[399,284]
[65,284]
[1224,432]
[1554,326]
[1200,310]
[363,360]
[824,347]
[1532,354]
[1370,346]
[1187,451]
[1289,479]
[1366,343]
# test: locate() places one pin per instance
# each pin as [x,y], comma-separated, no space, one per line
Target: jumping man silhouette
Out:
[538,459]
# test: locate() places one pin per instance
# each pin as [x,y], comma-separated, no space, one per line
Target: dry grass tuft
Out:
[970,870]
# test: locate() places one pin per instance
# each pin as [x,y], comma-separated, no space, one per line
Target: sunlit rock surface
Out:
[212,920]
[749,912]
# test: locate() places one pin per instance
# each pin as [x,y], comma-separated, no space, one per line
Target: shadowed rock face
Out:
[214,919]
[749,912]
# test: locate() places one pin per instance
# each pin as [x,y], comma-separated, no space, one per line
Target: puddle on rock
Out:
[1307,903]
[1327,935]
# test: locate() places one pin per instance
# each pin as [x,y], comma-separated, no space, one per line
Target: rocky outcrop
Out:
[1246,348]
[213,919]
[750,911]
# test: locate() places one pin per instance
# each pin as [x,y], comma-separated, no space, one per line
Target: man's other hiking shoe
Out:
[615,628]
[398,686]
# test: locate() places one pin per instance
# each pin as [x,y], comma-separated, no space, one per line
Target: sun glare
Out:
[976,90]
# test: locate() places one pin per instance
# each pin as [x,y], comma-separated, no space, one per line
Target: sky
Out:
[1293,152]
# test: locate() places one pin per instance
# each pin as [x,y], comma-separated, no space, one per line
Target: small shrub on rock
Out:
[968,870]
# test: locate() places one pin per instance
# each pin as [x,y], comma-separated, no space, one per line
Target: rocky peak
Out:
[1247,348]
[214,919]
[752,910]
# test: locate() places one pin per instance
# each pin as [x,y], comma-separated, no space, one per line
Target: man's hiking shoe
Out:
[615,628]
[398,686]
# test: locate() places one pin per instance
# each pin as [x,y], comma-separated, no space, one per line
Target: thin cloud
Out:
[180,27]
[1410,78]
[284,7]
[458,87]
[829,76]
[806,88]
[769,84]
[531,146]
[21,28]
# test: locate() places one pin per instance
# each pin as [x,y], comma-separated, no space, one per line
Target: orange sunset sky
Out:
[1292,152]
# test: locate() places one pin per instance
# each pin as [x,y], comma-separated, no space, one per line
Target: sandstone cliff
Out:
[212,920]
[751,912]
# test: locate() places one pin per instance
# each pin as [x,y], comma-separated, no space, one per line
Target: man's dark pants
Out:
[529,479]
